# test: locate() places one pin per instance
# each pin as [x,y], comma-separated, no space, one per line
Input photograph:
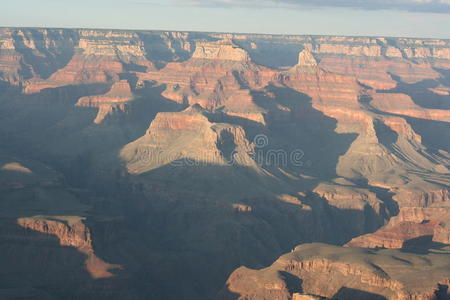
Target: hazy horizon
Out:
[224,32]
[393,18]
[225,150]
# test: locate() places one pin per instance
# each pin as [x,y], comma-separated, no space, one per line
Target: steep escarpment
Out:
[98,57]
[322,86]
[31,53]
[374,60]
[221,50]
[164,47]
[401,104]
[115,99]
[218,75]
[412,227]
[344,273]
[71,232]
[44,257]
[188,137]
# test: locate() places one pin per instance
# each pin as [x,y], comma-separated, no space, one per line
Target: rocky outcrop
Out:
[322,86]
[115,99]
[34,53]
[403,105]
[373,211]
[371,50]
[188,137]
[218,75]
[344,273]
[306,59]
[422,195]
[441,232]
[221,50]
[412,223]
[99,57]
[46,257]
[357,46]
[377,72]
[373,60]
[71,232]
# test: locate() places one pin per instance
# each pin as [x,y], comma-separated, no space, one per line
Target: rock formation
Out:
[403,105]
[99,57]
[71,232]
[218,75]
[344,273]
[412,223]
[188,137]
[221,50]
[115,99]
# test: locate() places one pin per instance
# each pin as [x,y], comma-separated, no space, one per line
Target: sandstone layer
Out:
[343,273]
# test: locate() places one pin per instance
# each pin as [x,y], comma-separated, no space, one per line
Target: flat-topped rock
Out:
[306,59]
[188,135]
[342,273]
[116,97]
[220,50]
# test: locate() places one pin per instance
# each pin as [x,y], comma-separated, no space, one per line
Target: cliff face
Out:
[346,273]
[221,50]
[403,105]
[218,75]
[224,148]
[35,53]
[71,232]
[97,57]
[115,99]
[411,224]
[188,137]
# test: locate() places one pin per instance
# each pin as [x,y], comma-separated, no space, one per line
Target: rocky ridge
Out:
[346,273]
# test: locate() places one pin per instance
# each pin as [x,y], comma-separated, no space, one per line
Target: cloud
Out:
[435,6]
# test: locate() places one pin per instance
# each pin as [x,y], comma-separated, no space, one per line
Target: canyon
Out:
[183,165]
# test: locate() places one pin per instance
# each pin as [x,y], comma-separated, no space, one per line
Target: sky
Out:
[405,18]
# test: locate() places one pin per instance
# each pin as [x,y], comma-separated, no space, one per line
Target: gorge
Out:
[190,165]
